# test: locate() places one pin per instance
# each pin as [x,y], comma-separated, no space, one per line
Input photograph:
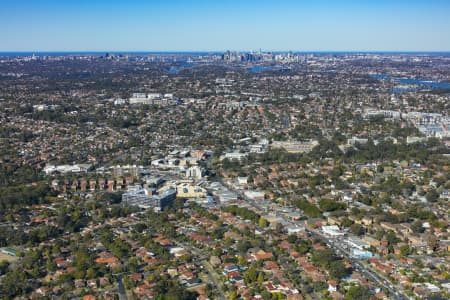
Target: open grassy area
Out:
[7,257]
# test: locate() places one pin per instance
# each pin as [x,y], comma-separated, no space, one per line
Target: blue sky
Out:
[213,25]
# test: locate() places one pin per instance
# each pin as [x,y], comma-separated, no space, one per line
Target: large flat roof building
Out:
[332,230]
[144,198]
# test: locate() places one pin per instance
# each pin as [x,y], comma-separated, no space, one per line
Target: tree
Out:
[91,273]
[260,277]
[338,270]
[4,265]
[250,275]
[357,293]
[330,205]
[51,266]
[13,284]
[323,258]
[392,238]
[310,210]
[243,246]
[266,295]
[417,227]
[263,223]
[346,222]
[233,295]
[357,229]
[404,250]
[319,286]
[432,196]
[20,196]
[292,238]
[303,246]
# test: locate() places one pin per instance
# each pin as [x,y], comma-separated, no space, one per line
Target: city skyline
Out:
[177,26]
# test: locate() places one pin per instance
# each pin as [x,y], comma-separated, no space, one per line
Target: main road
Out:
[396,294]
[393,292]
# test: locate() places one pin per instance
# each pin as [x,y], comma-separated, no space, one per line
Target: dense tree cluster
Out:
[116,245]
[387,150]
[243,212]
[329,261]
[21,196]
[330,205]
[309,209]
[358,292]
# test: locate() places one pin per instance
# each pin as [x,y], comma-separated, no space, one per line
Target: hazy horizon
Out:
[219,51]
[213,26]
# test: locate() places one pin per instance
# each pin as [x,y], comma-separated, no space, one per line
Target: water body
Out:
[412,84]
[427,83]
[258,69]
[379,76]
[178,68]
[173,71]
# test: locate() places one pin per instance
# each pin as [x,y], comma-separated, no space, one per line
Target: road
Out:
[122,292]
[393,291]
[210,272]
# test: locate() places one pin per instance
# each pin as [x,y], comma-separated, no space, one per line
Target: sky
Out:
[219,25]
